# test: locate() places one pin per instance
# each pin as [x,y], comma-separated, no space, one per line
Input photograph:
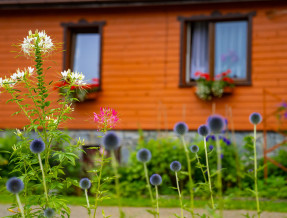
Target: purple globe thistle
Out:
[216,123]
[203,130]
[111,141]
[144,155]
[14,185]
[180,128]
[227,141]
[194,148]
[37,146]
[175,166]
[155,179]
[210,147]
[85,183]
[212,137]
[49,212]
[255,118]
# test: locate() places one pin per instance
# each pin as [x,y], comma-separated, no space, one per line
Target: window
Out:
[214,44]
[82,45]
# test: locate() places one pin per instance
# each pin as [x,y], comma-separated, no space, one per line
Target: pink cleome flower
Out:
[106,119]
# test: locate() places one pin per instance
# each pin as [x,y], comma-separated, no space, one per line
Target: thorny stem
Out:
[44,180]
[189,175]
[20,205]
[208,173]
[88,203]
[219,175]
[180,197]
[255,173]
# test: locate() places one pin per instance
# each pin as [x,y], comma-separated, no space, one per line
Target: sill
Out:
[93,96]
[193,84]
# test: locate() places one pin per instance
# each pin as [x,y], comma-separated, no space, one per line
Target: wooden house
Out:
[145,54]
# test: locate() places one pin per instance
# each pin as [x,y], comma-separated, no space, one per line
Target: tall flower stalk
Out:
[85,184]
[194,149]
[105,120]
[156,180]
[40,114]
[255,119]
[216,125]
[181,129]
[204,132]
[111,141]
[144,156]
[38,146]
[175,166]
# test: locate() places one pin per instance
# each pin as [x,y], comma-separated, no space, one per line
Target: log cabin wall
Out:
[141,60]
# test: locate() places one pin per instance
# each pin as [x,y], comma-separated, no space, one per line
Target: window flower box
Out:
[86,92]
[208,89]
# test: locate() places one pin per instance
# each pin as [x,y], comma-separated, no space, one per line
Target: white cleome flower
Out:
[45,43]
[65,74]
[74,78]
[30,70]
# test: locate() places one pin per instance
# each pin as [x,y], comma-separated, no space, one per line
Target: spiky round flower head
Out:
[49,212]
[14,185]
[111,141]
[203,130]
[37,146]
[144,155]
[210,147]
[175,166]
[194,148]
[85,183]
[216,123]
[180,128]
[155,179]
[255,118]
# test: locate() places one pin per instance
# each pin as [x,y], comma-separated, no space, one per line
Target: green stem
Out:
[114,165]
[208,173]
[20,205]
[255,173]
[219,175]
[88,203]
[199,164]
[148,183]
[189,176]
[156,195]
[99,182]
[180,197]
[44,180]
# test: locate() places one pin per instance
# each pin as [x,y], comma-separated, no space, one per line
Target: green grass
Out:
[272,206]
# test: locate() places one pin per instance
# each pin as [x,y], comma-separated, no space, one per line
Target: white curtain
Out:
[231,48]
[87,55]
[199,49]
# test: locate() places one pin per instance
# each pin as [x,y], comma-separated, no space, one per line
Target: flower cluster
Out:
[16,77]
[106,119]
[44,41]
[207,87]
[74,78]
[76,82]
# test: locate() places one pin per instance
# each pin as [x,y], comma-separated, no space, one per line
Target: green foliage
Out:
[41,185]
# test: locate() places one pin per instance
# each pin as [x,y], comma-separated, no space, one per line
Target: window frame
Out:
[81,27]
[212,19]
